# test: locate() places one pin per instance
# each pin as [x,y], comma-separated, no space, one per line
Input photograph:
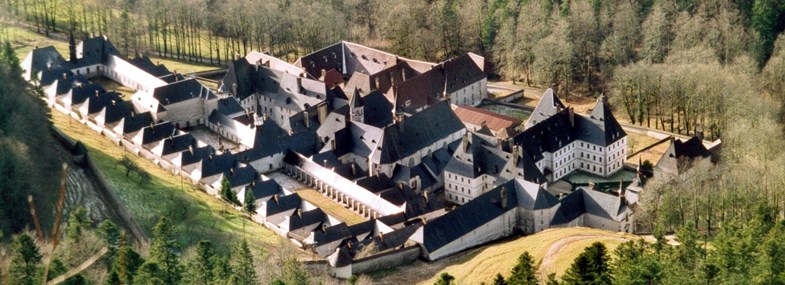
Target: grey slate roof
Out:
[468,217]
[301,226]
[134,122]
[178,143]
[181,91]
[158,132]
[418,131]
[264,190]
[593,202]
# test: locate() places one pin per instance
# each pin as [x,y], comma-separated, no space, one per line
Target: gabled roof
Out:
[218,163]
[283,204]
[331,234]
[377,110]
[264,190]
[532,196]
[242,175]
[116,111]
[196,154]
[548,106]
[586,201]
[602,116]
[44,60]
[158,132]
[134,122]
[102,100]
[416,132]
[95,50]
[264,59]
[181,91]
[144,63]
[470,216]
[178,143]
[303,223]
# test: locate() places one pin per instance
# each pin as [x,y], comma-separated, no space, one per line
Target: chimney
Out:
[403,74]
[171,140]
[332,144]
[400,186]
[191,149]
[307,121]
[300,214]
[324,73]
[324,228]
[96,93]
[401,123]
[504,198]
[381,237]
[65,76]
[425,195]
[234,89]
[621,191]
[275,197]
[349,245]
[515,155]
[210,157]
[354,169]
[572,116]
[133,114]
[465,142]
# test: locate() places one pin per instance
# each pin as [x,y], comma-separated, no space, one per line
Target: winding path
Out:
[550,256]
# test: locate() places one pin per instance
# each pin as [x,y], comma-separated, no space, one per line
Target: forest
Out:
[684,66]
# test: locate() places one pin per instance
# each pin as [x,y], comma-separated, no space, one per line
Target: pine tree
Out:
[150,274]
[244,272]
[445,279]
[126,263]
[499,280]
[226,191]
[222,270]
[164,252]
[591,267]
[200,268]
[250,201]
[77,222]
[25,266]
[9,56]
[523,272]
[109,232]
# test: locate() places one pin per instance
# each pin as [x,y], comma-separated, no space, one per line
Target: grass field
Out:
[561,246]
[195,214]
[330,207]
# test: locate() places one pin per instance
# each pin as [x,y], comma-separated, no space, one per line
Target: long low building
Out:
[337,187]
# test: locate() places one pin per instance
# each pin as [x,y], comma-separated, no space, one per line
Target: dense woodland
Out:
[678,65]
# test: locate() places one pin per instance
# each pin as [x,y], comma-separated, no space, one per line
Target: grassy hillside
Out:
[561,246]
[195,214]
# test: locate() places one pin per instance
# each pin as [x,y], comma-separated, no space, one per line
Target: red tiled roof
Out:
[477,116]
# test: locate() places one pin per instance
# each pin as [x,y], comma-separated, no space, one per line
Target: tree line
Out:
[626,48]
[743,252]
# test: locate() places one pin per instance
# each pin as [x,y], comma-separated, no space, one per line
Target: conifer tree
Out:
[77,222]
[151,274]
[244,272]
[523,272]
[250,201]
[164,251]
[499,280]
[25,266]
[445,279]
[591,267]
[200,268]
[226,191]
